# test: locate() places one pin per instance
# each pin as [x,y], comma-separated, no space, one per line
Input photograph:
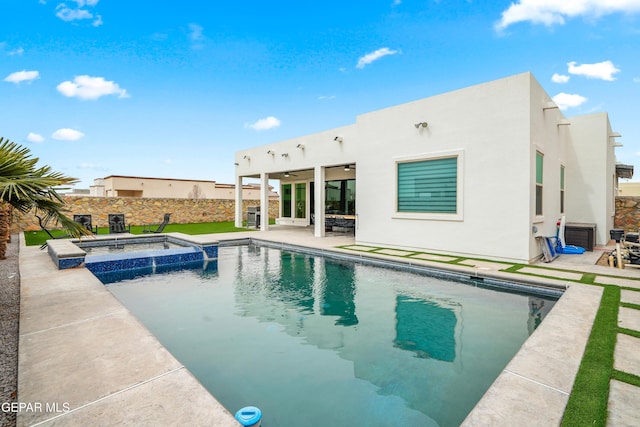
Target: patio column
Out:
[238,213]
[319,196]
[264,201]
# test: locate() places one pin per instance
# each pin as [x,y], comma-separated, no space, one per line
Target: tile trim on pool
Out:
[66,254]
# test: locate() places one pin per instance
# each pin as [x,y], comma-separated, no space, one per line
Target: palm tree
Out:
[26,187]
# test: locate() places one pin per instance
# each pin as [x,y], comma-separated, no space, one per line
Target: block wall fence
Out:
[627,213]
[142,211]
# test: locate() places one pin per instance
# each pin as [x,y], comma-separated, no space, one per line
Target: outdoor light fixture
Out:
[347,168]
[421,124]
[338,139]
[300,146]
[549,106]
[271,152]
[246,157]
[563,122]
[285,154]
[286,174]
[613,135]
[237,164]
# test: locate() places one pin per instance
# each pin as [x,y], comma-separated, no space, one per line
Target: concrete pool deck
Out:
[84,359]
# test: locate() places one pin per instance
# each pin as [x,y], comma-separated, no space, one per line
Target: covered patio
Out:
[327,208]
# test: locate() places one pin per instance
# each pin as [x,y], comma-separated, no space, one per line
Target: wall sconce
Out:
[246,157]
[347,168]
[285,154]
[421,124]
[563,122]
[550,106]
[613,135]
[271,152]
[338,139]
[300,146]
[237,164]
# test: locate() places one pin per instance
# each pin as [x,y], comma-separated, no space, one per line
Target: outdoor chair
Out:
[117,224]
[160,228]
[85,220]
[51,236]
[343,224]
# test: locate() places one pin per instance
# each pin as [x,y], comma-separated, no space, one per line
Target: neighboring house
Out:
[629,189]
[167,188]
[481,172]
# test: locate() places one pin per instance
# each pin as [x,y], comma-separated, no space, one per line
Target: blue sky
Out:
[172,89]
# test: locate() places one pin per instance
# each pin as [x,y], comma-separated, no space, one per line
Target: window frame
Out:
[539,199]
[438,216]
[563,174]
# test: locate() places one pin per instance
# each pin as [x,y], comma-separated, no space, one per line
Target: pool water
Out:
[314,341]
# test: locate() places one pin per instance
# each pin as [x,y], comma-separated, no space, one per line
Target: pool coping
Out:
[58,305]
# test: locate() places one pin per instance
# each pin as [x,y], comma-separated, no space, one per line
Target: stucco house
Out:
[481,171]
[170,188]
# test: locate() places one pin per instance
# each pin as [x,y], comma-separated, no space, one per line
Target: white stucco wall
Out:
[591,177]
[490,126]
[495,129]
[317,149]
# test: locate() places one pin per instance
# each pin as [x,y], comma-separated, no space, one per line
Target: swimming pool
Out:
[314,341]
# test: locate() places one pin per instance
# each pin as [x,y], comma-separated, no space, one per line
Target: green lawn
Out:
[588,401]
[39,237]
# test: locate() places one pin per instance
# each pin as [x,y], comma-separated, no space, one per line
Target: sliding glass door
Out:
[294,200]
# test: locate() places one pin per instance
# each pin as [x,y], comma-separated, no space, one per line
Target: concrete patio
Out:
[84,359]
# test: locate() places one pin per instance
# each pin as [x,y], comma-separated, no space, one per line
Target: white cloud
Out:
[16,52]
[69,14]
[22,76]
[326,97]
[265,124]
[559,78]
[551,12]
[374,56]
[87,87]
[567,100]
[196,32]
[196,35]
[601,70]
[34,137]
[67,134]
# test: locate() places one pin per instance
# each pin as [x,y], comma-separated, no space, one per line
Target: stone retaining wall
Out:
[627,213]
[142,211]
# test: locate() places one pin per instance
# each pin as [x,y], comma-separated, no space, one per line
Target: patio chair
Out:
[85,220]
[160,228]
[51,236]
[343,224]
[117,224]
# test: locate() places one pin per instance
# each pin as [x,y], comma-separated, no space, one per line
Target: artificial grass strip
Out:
[514,268]
[630,332]
[589,397]
[588,278]
[626,377]
[630,305]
